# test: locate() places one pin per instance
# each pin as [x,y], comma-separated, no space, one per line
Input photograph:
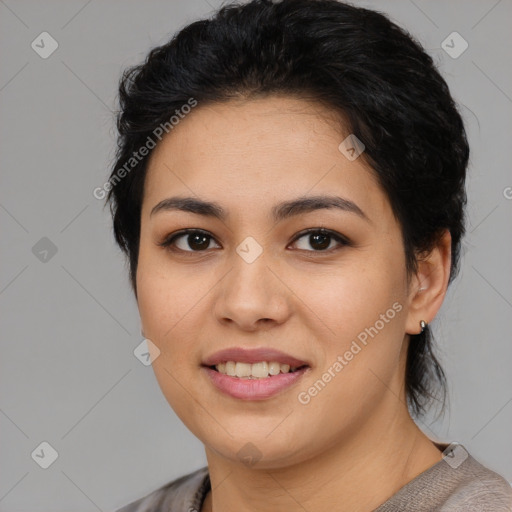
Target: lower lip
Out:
[253,389]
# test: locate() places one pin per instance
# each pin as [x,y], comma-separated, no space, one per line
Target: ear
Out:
[428,286]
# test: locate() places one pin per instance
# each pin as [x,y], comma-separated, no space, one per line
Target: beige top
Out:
[457,483]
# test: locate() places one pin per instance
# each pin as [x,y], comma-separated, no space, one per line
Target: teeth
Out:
[243,369]
[253,371]
[274,368]
[230,368]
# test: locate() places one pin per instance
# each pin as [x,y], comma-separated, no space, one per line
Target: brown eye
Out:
[321,239]
[189,240]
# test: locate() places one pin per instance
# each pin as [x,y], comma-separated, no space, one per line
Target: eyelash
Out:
[169,241]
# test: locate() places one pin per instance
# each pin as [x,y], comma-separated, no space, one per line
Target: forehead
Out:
[256,150]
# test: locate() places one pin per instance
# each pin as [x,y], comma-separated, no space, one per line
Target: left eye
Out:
[321,239]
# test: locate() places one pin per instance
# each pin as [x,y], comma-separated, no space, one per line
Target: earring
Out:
[423,325]
[423,288]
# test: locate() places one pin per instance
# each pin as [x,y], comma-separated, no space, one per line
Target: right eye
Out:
[196,239]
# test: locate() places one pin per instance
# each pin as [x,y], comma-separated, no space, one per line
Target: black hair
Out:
[361,66]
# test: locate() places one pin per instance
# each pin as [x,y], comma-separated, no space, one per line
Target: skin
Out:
[354,443]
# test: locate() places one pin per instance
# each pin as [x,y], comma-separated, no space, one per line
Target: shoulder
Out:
[180,494]
[457,483]
[478,489]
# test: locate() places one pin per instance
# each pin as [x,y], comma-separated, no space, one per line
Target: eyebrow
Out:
[280,211]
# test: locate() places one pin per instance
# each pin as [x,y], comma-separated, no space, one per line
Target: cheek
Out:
[164,299]
[353,295]
[166,312]
[363,305]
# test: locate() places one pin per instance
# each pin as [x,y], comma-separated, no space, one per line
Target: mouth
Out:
[253,373]
[259,362]
[259,370]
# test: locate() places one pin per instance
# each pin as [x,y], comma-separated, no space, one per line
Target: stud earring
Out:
[423,288]
[423,325]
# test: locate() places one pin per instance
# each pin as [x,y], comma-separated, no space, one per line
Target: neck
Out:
[358,474]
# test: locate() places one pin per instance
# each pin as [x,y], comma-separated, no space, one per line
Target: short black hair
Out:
[356,62]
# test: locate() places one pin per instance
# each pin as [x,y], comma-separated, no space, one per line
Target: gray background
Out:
[69,324]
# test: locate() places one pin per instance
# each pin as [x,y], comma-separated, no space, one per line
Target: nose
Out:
[252,295]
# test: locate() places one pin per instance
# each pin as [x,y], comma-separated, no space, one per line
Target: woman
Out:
[289,190]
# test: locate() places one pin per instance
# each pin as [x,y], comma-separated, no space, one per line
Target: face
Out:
[324,284]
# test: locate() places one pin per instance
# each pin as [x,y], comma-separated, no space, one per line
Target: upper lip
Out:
[254,355]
